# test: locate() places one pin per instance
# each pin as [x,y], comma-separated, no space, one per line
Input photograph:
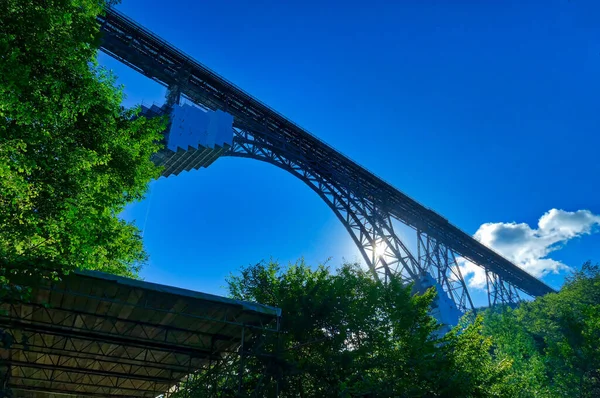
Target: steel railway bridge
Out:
[367,206]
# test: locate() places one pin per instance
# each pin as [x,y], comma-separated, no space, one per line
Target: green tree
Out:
[554,340]
[512,342]
[346,335]
[70,156]
[475,371]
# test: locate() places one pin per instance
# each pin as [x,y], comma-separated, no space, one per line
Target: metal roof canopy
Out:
[95,334]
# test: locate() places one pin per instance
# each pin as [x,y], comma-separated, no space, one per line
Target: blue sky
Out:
[486,112]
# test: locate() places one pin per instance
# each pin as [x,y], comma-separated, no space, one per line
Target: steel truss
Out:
[500,292]
[86,367]
[371,227]
[440,262]
[98,338]
[368,226]
[367,206]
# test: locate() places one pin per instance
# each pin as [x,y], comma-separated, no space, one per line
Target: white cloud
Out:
[529,247]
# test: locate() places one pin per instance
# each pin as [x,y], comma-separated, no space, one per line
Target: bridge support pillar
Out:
[173,96]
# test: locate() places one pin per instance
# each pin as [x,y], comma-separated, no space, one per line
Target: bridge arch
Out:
[359,220]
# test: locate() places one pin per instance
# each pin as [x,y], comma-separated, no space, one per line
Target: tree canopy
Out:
[70,156]
[343,334]
[554,340]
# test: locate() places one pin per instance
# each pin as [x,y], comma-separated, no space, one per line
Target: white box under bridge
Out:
[195,138]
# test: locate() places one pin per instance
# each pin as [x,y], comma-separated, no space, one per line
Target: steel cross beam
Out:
[367,206]
[107,392]
[441,263]
[131,360]
[99,328]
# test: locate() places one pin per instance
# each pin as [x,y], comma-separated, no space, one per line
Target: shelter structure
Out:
[94,334]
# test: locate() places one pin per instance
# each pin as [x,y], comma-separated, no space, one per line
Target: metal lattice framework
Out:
[368,207]
[95,334]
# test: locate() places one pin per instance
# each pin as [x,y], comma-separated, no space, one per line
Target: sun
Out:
[380,248]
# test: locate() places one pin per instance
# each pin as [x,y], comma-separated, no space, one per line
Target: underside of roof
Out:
[95,334]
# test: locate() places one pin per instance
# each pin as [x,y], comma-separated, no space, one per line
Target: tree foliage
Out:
[70,156]
[344,334]
[553,341]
